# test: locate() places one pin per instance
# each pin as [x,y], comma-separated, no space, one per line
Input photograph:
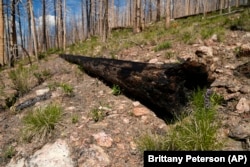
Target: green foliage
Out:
[1,88]
[196,132]
[43,55]
[150,142]
[169,55]
[163,46]
[53,85]
[97,114]
[241,21]
[116,90]
[75,118]
[123,32]
[9,152]
[20,78]
[187,37]
[41,122]
[68,89]
[87,47]
[42,76]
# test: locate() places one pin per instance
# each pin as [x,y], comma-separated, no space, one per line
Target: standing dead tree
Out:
[160,87]
[1,34]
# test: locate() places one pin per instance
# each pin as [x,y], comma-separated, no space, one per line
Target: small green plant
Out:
[113,56]
[68,89]
[186,37]
[81,68]
[2,88]
[41,122]
[97,114]
[9,152]
[196,132]
[163,46]
[74,118]
[116,90]
[169,55]
[53,85]
[206,33]
[150,142]
[20,78]
[41,76]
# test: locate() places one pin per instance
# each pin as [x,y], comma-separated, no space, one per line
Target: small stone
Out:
[126,120]
[136,103]
[153,61]
[231,96]
[133,146]
[235,88]
[241,131]
[214,38]
[144,119]
[103,139]
[101,93]
[121,146]
[245,89]
[247,35]
[243,105]
[42,91]
[230,66]
[99,125]
[204,51]
[71,108]
[139,111]
[17,163]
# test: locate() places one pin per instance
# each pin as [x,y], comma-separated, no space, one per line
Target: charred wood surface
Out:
[161,87]
[32,101]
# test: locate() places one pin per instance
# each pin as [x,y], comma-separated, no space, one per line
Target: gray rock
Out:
[245,89]
[94,156]
[103,139]
[243,105]
[56,155]
[42,91]
[153,61]
[241,132]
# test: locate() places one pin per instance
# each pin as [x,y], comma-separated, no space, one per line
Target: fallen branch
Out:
[30,102]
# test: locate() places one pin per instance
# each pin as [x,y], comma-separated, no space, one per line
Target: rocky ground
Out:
[111,141]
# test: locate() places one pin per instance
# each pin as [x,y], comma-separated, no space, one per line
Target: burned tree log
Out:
[161,87]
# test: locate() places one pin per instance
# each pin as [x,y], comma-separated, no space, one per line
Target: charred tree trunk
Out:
[160,87]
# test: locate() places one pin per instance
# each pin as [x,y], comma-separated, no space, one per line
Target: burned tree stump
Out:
[160,87]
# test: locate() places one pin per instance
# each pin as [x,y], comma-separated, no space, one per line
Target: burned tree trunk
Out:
[160,87]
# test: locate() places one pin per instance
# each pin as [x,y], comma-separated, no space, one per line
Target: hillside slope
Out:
[98,128]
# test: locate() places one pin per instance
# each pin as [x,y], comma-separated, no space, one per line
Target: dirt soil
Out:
[125,119]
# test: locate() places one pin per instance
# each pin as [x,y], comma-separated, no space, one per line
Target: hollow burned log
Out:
[160,87]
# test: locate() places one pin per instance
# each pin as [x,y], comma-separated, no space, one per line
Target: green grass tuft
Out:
[193,133]
[116,90]
[163,46]
[21,78]
[41,122]
[97,114]
[75,118]
[9,152]
[68,89]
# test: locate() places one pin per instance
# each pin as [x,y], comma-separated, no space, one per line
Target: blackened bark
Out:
[160,87]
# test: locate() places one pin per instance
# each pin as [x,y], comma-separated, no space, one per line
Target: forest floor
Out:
[111,140]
